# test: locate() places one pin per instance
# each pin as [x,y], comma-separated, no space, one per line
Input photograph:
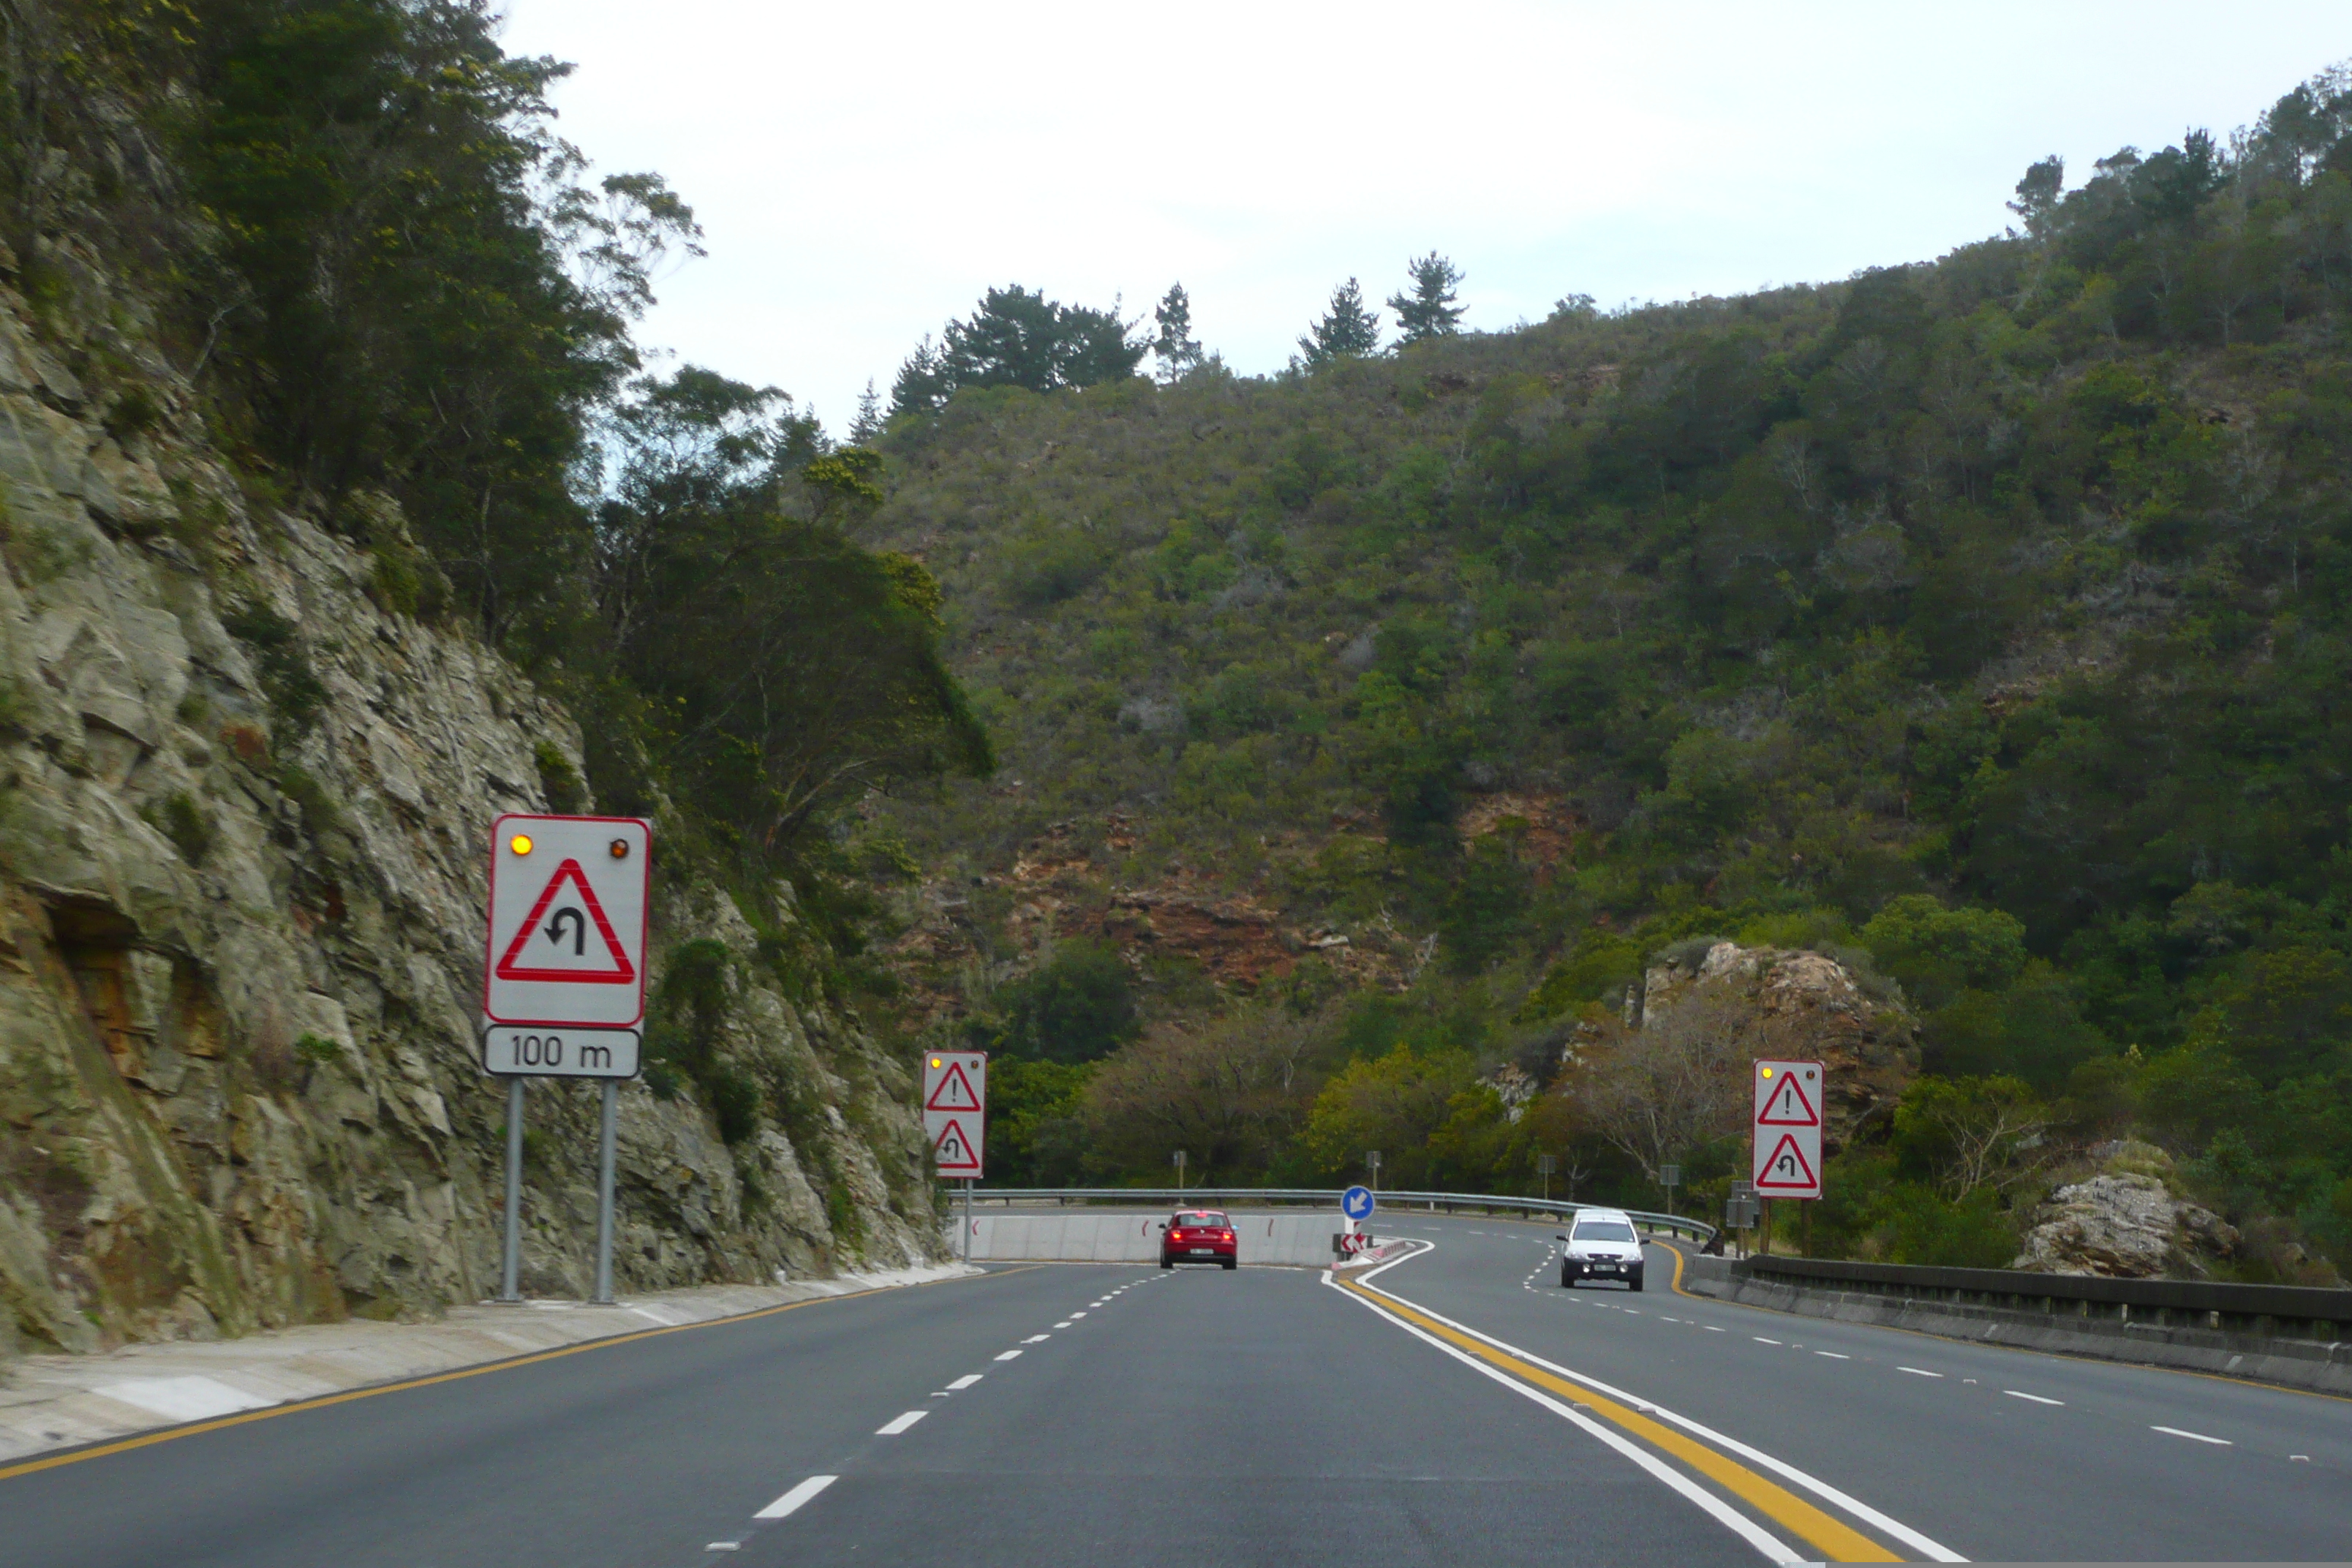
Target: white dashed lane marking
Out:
[966,1381]
[2194,1436]
[899,1424]
[1918,1371]
[1834,1356]
[1008,1355]
[2037,1399]
[792,1500]
[1036,1339]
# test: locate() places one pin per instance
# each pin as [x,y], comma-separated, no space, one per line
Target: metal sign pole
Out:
[511,1278]
[967,1219]
[605,1198]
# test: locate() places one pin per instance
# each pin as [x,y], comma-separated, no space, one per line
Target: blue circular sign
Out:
[1356,1202]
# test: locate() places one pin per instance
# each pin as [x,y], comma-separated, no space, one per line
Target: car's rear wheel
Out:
[1232,1263]
[1167,1263]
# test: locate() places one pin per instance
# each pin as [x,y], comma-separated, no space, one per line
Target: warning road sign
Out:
[1788,1130]
[955,1109]
[955,1091]
[567,927]
[1783,1102]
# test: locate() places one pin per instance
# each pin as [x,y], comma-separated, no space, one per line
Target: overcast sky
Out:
[864,171]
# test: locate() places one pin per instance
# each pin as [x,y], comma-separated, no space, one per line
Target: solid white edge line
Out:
[2195,1436]
[1772,1548]
[897,1423]
[1935,1551]
[791,1500]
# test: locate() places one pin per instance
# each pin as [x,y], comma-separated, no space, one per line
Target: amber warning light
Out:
[519,843]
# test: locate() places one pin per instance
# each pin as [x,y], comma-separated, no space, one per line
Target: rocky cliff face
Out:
[242,806]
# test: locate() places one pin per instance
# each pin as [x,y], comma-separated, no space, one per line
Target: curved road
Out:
[1459,1407]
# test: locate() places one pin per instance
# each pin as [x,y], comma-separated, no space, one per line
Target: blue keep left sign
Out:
[1356,1202]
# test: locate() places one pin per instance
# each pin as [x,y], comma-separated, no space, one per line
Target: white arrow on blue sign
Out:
[1356,1202]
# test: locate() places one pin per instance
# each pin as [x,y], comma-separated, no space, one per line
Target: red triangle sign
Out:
[954,1153]
[954,1092]
[1789,1107]
[1787,1167]
[513,966]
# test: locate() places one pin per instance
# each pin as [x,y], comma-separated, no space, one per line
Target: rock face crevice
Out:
[242,812]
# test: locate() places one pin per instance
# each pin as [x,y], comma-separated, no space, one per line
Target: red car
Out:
[1198,1235]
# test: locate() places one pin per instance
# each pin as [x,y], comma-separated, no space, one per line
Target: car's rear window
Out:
[1192,1221]
[1604,1230]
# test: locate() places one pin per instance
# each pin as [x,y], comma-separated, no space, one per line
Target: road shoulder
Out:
[51,1403]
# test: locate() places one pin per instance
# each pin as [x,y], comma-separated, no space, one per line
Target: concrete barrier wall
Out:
[1290,1237]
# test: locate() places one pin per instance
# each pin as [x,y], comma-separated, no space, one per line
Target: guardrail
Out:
[1231,1197]
[2269,1311]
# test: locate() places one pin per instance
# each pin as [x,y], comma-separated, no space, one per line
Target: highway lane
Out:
[1993,1452]
[1069,1414]
[1083,1414]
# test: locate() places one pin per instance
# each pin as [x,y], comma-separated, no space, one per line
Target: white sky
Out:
[865,171]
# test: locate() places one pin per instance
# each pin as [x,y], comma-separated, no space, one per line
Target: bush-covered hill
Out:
[1990,617]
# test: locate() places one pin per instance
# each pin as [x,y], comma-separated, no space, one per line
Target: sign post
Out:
[1545,1165]
[955,1120]
[563,983]
[1787,1132]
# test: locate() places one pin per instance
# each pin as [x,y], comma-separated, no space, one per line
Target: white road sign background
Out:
[1787,1150]
[955,1109]
[567,928]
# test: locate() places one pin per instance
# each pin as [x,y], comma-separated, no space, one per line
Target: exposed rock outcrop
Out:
[1804,1005]
[2124,1227]
[240,896]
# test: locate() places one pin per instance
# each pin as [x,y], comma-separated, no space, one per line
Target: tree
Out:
[867,428]
[1347,331]
[1174,347]
[1018,337]
[1428,310]
[785,669]
[1222,1090]
[1077,1006]
[1679,1082]
[2038,194]
[1394,1103]
[921,385]
[1972,1133]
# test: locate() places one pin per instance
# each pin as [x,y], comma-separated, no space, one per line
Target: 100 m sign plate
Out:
[511,1049]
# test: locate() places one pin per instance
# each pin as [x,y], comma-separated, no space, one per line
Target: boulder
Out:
[2123,1225]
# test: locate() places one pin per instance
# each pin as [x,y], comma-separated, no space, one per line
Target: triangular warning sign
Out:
[568,938]
[954,1152]
[954,1092]
[1788,1107]
[1788,1167]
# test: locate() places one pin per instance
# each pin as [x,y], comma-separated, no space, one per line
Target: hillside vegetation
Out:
[1984,623]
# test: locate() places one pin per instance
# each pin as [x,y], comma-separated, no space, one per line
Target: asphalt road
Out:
[1475,1414]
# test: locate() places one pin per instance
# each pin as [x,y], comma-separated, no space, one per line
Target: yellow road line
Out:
[1837,1542]
[147,1440]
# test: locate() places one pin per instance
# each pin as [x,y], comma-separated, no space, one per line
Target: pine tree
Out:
[1347,331]
[867,428]
[1175,348]
[1429,311]
[922,387]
